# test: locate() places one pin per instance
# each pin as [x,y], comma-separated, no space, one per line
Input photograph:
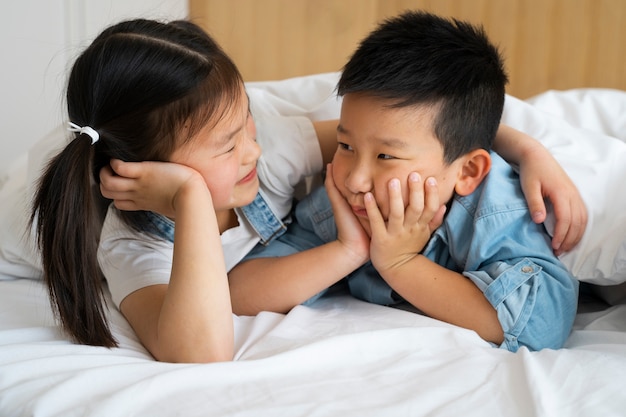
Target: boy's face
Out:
[379,143]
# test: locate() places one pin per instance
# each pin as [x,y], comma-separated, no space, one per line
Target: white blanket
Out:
[339,357]
[342,357]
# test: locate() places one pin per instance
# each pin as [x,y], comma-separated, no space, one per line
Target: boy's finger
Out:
[334,195]
[415,207]
[396,205]
[437,220]
[431,200]
[377,223]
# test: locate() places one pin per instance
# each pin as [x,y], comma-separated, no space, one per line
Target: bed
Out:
[341,356]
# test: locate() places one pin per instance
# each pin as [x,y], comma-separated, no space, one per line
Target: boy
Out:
[422,100]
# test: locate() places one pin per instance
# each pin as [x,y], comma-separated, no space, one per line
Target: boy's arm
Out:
[280,283]
[445,295]
[395,246]
[534,302]
[542,176]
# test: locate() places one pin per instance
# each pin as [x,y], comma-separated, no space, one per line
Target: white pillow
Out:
[19,256]
[598,109]
[597,165]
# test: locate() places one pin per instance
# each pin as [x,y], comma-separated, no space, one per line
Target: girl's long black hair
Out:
[137,85]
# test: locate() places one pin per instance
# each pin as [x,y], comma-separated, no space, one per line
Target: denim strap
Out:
[263,220]
[258,213]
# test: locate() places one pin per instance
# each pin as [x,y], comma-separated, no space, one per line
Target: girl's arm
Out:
[542,176]
[189,320]
[327,136]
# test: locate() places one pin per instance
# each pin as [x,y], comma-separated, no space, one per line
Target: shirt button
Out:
[527,269]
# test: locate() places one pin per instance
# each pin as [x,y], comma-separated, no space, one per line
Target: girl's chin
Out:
[251,194]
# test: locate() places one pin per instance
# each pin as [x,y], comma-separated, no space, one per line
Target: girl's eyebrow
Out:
[229,136]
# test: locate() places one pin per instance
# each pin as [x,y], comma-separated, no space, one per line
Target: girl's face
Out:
[225,154]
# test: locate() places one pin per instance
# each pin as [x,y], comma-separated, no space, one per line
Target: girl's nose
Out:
[253,150]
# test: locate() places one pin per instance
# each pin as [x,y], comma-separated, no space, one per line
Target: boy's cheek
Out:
[366,226]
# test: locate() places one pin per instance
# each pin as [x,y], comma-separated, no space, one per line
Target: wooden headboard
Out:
[547,44]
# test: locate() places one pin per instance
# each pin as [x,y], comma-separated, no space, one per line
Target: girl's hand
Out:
[542,176]
[407,230]
[349,231]
[152,186]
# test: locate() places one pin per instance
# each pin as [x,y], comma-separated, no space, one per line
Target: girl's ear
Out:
[475,168]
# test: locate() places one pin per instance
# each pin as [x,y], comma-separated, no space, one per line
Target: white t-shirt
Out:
[131,260]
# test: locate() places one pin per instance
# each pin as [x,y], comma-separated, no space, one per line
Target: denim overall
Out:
[258,213]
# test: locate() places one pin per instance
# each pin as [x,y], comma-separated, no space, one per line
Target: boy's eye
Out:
[385,156]
[344,146]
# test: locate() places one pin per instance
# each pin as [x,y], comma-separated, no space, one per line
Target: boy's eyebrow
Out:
[393,143]
[388,142]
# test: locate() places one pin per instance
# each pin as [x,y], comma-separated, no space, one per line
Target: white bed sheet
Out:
[339,357]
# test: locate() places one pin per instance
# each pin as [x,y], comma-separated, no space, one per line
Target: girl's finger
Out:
[125,169]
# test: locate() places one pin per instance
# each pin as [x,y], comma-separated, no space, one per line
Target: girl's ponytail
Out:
[67,221]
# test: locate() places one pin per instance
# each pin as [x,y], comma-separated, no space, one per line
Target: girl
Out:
[164,98]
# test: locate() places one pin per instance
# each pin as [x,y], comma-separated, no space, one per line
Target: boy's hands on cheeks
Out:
[152,186]
[407,230]
[350,233]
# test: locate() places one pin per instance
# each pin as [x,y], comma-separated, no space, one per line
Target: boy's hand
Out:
[151,186]
[350,233]
[406,232]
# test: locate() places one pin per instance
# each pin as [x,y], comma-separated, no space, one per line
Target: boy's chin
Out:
[366,226]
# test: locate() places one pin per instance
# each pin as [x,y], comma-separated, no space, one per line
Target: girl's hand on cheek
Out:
[407,230]
[349,230]
[152,186]
[542,176]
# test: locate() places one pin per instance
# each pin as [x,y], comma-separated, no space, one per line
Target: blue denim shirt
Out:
[490,238]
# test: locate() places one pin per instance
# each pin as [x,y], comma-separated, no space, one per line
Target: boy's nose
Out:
[359,179]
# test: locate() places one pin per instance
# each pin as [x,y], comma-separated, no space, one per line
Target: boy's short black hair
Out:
[418,59]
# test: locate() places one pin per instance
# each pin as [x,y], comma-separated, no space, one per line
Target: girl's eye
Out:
[385,156]
[344,146]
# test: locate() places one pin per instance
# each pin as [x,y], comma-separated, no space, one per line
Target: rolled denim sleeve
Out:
[535,302]
[500,249]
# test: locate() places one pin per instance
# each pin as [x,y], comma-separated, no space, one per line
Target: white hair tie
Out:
[86,130]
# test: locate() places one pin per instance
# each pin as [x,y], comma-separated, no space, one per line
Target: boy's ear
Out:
[475,168]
